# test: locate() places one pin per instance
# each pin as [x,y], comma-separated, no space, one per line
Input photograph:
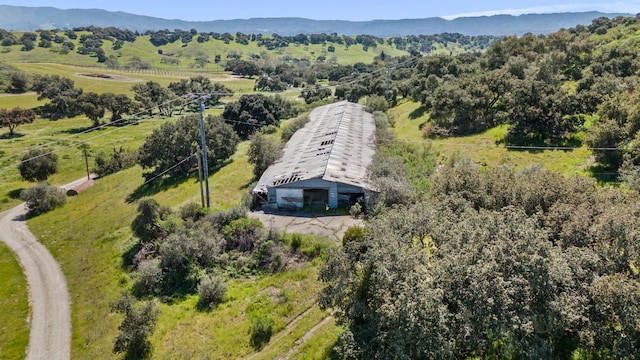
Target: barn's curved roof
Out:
[337,145]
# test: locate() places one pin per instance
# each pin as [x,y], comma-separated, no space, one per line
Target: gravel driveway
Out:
[330,226]
[50,325]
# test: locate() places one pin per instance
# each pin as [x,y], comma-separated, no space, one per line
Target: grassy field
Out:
[89,234]
[14,316]
[487,148]
[93,256]
[183,55]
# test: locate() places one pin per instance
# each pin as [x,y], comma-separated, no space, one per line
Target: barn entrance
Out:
[316,197]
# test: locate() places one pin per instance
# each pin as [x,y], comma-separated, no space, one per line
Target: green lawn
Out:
[14,316]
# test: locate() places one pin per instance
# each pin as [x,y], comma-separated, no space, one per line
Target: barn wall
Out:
[289,198]
[332,188]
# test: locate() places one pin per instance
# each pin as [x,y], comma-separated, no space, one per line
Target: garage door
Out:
[289,198]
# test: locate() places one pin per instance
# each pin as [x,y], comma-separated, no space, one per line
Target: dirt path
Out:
[284,332]
[306,337]
[50,323]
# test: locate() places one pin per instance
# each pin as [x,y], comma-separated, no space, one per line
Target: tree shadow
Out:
[535,146]
[604,175]
[8,136]
[155,187]
[128,256]
[165,183]
[15,193]
[78,130]
[417,113]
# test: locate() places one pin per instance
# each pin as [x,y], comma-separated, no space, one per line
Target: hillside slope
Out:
[20,18]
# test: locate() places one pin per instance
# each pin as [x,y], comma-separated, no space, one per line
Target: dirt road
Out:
[50,325]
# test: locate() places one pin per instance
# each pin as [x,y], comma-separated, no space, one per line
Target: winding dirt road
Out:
[50,326]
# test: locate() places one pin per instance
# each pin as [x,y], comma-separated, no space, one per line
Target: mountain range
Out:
[21,18]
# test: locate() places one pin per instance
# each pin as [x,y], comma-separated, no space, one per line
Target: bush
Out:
[136,327]
[38,165]
[377,103]
[146,225]
[264,150]
[120,160]
[297,124]
[211,291]
[355,210]
[353,233]
[222,218]
[42,198]
[148,278]
[261,331]
[191,211]
[185,253]
[243,234]
[296,241]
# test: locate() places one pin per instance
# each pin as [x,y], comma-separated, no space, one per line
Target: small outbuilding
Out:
[325,163]
[74,191]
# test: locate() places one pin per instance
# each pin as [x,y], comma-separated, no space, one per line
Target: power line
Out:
[85,140]
[169,169]
[514,147]
[410,62]
[177,164]
[115,122]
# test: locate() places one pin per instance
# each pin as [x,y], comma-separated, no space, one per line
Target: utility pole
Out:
[86,161]
[205,162]
[200,174]
[388,71]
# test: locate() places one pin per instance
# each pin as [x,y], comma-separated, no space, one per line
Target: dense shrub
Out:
[183,253]
[148,278]
[42,198]
[243,234]
[482,244]
[261,331]
[38,165]
[136,327]
[120,160]
[211,291]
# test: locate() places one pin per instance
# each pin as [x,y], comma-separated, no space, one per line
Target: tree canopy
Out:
[251,112]
[170,149]
[16,116]
[38,165]
[498,264]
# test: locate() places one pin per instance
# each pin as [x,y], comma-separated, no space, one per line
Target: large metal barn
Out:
[325,163]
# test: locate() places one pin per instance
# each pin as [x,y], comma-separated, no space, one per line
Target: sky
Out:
[354,10]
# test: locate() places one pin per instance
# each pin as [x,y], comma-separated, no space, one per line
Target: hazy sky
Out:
[356,10]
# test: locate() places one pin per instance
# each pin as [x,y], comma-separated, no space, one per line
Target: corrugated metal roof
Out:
[337,144]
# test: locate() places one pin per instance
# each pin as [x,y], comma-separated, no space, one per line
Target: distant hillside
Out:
[20,18]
